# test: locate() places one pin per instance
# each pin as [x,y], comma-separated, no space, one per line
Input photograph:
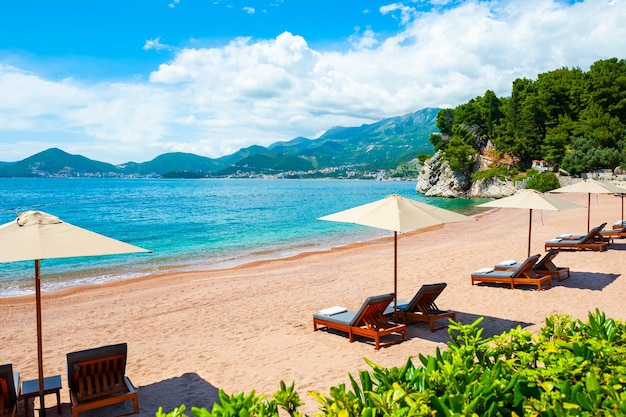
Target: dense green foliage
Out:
[543,182]
[572,119]
[571,368]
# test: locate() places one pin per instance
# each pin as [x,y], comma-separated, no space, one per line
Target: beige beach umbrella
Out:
[36,235]
[397,214]
[532,200]
[591,186]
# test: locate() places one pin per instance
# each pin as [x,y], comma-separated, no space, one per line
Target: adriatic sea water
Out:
[191,224]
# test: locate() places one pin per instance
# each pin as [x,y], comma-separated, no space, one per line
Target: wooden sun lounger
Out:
[422,307]
[618,230]
[544,266]
[96,378]
[369,321]
[523,275]
[9,391]
[592,240]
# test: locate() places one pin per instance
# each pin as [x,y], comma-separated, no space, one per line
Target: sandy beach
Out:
[249,327]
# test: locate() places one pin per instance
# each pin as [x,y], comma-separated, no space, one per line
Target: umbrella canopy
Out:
[36,235]
[397,214]
[532,200]
[591,186]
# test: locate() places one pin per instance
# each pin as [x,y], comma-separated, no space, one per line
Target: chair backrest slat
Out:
[372,307]
[99,377]
[425,298]
[89,365]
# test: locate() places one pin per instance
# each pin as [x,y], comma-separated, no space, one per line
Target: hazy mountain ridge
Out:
[381,145]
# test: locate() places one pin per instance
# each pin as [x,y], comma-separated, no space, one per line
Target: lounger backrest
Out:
[595,232]
[117,353]
[546,261]
[527,264]
[424,299]
[7,386]
[373,306]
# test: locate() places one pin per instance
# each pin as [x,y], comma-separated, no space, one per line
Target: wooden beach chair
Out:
[369,321]
[422,307]
[617,231]
[9,391]
[592,240]
[542,267]
[524,274]
[96,378]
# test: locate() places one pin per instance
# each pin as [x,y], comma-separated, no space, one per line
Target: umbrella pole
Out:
[588,210]
[42,407]
[530,226]
[395,273]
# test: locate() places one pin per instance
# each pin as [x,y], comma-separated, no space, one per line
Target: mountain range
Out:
[385,144]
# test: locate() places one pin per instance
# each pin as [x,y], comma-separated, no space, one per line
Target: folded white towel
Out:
[620,223]
[332,310]
[508,262]
[483,270]
[555,240]
[566,235]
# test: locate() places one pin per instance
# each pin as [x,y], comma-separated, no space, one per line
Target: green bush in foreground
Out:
[571,368]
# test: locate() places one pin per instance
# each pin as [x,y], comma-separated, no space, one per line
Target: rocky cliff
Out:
[436,179]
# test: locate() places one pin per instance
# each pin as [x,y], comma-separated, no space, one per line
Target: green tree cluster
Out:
[573,119]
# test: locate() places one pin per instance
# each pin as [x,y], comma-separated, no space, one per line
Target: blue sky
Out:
[129,80]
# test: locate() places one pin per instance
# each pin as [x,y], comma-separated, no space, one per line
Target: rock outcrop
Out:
[436,179]
[491,188]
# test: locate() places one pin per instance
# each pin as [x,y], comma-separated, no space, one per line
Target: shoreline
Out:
[192,225]
[184,271]
[250,259]
[249,327]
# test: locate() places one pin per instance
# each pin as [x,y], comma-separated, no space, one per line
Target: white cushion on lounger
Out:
[508,262]
[556,240]
[332,310]
[483,270]
[566,235]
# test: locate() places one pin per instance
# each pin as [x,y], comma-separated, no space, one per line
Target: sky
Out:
[121,80]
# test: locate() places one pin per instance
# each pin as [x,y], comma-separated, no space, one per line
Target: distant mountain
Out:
[381,145]
[56,162]
[384,144]
[172,162]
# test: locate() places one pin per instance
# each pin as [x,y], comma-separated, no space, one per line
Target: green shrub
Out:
[571,368]
[543,182]
[245,405]
[501,172]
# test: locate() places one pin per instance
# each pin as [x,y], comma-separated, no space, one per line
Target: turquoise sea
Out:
[191,224]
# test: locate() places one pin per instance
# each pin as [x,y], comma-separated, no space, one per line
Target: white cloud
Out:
[213,101]
[406,13]
[366,40]
[155,44]
[249,10]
